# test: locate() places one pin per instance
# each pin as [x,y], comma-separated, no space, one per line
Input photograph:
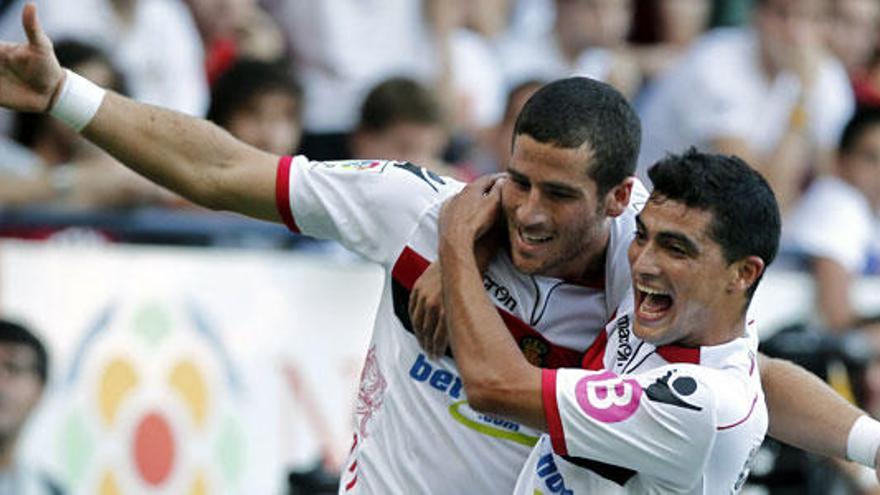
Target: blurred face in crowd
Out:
[504,132]
[581,24]
[788,27]
[555,219]
[415,142]
[682,282]
[853,32]
[269,121]
[217,18]
[683,20]
[20,388]
[860,166]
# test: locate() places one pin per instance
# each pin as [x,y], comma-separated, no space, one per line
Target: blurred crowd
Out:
[792,86]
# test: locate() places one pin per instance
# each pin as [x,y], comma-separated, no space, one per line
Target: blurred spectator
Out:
[668,29]
[853,34]
[769,93]
[52,164]
[489,18]
[340,49]
[153,42]
[233,29]
[401,120]
[853,38]
[493,153]
[24,365]
[833,227]
[834,223]
[588,38]
[469,81]
[259,103]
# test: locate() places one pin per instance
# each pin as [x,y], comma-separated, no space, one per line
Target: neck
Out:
[570,51]
[723,333]
[769,68]
[594,260]
[7,452]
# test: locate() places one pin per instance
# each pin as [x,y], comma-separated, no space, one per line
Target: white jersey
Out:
[649,420]
[415,432]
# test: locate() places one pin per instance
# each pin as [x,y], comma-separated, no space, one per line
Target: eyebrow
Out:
[671,236]
[551,186]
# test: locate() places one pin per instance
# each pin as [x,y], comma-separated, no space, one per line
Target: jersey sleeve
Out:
[660,423]
[369,206]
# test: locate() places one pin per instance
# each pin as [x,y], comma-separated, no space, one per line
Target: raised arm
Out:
[497,377]
[806,413]
[187,155]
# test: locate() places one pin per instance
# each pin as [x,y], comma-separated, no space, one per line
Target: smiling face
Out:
[685,290]
[556,224]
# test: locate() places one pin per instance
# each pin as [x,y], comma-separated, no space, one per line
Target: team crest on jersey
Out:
[534,350]
[375,166]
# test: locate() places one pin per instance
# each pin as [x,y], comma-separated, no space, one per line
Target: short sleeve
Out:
[369,206]
[660,423]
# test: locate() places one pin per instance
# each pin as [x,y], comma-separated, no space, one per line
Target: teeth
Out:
[651,291]
[532,238]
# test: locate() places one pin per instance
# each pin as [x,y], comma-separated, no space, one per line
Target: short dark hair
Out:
[247,78]
[15,333]
[571,112]
[745,214]
[396,100]
[861,122]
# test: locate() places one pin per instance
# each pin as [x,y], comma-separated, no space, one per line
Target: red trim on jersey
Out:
[409,267]
[351,483]
[551,411]
[594,358]
[282,193]
[679,354]
[743,420]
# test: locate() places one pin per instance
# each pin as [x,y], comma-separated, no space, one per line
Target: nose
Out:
[531,211]
[642,259]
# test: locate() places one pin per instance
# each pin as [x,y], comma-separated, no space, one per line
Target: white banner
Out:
[189,371]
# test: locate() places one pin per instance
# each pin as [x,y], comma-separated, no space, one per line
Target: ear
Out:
[617,199]
[745,273]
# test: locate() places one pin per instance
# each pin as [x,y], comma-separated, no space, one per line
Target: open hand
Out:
[473,211]
[426,312]
[30,75]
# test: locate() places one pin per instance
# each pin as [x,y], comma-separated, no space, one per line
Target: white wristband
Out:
[863,441]
[78,101]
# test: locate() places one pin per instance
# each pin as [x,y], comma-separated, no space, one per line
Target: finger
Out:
[31,24]
[430,329]
[417,319]
[411,305]
[440,337]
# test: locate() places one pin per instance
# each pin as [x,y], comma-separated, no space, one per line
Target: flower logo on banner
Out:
[153,393]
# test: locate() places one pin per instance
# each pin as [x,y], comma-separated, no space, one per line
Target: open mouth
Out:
[652,304]
[530,242]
